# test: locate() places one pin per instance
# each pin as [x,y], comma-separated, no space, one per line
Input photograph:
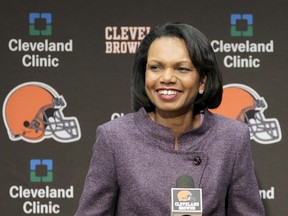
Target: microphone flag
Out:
[186,200]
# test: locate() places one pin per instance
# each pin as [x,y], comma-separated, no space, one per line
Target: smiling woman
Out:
[172,83]
[197,54]
[138,157]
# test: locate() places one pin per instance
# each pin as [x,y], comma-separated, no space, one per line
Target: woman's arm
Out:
[243,195]
[99,196]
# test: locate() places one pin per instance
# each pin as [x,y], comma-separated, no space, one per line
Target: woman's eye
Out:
[183,69]
[155,68]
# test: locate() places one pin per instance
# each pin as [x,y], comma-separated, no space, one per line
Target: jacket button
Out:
[197,161]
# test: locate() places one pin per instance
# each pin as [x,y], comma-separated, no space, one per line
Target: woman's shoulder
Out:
[119,129]
[228,124]
[121,125]
[231,131]
[122,121]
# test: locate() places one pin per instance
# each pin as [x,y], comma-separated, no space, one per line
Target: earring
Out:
[201,91]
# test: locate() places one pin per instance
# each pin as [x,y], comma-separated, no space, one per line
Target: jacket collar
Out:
[163,136]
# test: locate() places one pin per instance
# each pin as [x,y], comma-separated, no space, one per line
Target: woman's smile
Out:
[168,94]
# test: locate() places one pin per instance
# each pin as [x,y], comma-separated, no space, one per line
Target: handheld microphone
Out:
[186,200]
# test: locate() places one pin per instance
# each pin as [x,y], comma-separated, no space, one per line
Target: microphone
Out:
[186,199]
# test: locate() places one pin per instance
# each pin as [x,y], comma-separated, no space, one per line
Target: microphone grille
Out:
[185,181]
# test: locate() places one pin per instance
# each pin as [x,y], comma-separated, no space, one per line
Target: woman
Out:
[137,158]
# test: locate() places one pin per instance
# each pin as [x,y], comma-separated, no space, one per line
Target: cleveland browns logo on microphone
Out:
[244,104]
[33,111]
[184,196]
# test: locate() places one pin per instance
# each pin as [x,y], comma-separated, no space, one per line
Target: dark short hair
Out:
[201,54]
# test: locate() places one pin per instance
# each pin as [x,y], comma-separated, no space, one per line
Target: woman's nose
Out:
[168,76]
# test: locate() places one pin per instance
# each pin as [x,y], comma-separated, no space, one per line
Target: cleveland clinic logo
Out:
[40,53]
[41,170]
[43,200]
[242,103]
[33,111]
[40,24]
[241,25]
[242,53]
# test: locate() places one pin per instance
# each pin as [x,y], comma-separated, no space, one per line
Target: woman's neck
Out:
[177,123]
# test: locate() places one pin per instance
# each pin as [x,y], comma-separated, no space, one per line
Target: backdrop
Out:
[79,55]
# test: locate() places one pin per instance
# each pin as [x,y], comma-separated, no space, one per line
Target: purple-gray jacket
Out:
[134,166]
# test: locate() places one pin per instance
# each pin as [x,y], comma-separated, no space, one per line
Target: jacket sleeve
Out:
[99,195]
[243,194]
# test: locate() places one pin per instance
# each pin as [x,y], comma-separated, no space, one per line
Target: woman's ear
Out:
[202,84]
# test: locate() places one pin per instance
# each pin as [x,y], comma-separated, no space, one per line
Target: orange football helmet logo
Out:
[244,104]
[184,196]
[33,111]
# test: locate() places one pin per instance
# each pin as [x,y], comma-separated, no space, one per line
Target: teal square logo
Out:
[41,170]
[241,25]
[40,24]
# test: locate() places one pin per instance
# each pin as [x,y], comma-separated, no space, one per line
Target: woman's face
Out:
[171,80]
